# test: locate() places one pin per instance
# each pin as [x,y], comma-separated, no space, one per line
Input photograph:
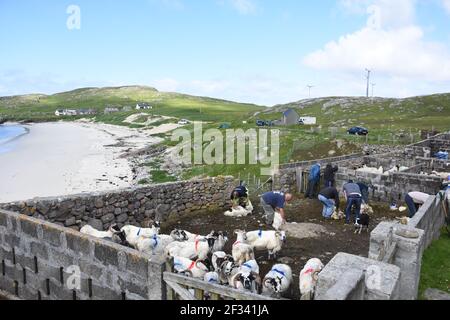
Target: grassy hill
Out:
[39,107]
[378,113]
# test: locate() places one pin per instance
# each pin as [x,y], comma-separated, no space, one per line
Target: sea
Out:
[9,133]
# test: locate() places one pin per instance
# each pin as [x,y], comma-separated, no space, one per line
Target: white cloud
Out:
[446,4]
[388,46]
[244,7]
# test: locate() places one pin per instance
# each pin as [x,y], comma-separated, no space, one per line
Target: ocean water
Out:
[8,135]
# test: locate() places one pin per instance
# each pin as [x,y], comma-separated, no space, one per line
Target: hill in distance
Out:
[42,107]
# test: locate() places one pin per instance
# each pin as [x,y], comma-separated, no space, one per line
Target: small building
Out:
[290,117]
[308,121]
[86,112]
[111,110]
[143,106]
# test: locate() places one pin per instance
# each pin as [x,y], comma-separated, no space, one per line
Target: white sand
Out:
[57,159]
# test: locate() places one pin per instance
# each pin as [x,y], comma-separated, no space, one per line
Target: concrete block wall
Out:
[38,260]
[431,219]
[135,206]
[407,256]
[350,277]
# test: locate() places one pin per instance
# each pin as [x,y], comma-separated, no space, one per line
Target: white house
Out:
[308,120]
[143,106]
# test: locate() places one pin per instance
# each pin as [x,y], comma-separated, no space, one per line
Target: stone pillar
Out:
[407,254]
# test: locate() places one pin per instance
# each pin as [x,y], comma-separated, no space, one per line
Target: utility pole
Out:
[310,87]
[368,81]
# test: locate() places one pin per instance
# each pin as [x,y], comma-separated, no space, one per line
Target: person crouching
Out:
[354,199]
[329,197]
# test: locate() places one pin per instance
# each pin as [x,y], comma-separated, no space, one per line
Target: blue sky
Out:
[261,51]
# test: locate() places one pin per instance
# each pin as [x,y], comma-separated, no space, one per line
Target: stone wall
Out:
[39,261]
[135,206]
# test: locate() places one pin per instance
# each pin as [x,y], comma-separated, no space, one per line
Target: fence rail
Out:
[178,288]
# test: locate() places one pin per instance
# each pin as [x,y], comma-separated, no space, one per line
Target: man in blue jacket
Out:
[313,181]
[275,201]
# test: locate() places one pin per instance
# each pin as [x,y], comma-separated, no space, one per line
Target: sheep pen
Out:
[316,238]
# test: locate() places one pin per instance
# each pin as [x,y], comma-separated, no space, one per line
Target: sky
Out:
[258,51]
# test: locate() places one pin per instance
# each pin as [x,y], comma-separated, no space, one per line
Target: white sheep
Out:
[278,280]
[277,221]
[183,235]
[242,251]
[89,230]
[239,211]
[272,241]
[366,209]
[212,277]
[133,233]
[155,245]
[308,278]
[367,169]
[187,267]
[191,250]
[246,279]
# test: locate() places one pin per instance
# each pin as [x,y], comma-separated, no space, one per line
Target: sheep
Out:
[338,215]
[278,280]
[365,208]
[224,267]
[272,241]
[239,211]
[308,278]
[218,258]
[277,221]
[155,245]
[246,280]
[212,277]
[380,170]
[183,235]
[133,233]
[242,251]
[113,234]
[191,250]
[195,269]
[403,220]
[221,240]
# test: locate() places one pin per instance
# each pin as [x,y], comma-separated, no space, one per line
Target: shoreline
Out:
[61,158]
[27,131]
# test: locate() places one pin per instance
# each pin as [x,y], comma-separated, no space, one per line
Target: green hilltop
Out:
[38,107]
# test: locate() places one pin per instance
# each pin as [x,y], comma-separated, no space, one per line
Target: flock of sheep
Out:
[202,257]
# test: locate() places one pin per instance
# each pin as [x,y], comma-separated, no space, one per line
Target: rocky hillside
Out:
[415,112]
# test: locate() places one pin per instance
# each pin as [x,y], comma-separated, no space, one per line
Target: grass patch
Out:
[436,266]
[161,176]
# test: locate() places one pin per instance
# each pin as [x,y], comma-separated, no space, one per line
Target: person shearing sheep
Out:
[275,201]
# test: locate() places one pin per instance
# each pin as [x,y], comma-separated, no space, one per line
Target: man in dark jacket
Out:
[353,196]
[330,200]
[239,196]
[330,175]
[313,181]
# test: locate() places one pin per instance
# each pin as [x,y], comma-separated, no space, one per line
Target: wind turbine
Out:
[309,88]
[368,81]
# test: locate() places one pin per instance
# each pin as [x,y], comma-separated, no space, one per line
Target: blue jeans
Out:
[353,201]
[411,206]
[328,206]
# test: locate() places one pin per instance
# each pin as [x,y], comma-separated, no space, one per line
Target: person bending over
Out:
[275,201]
[329,197]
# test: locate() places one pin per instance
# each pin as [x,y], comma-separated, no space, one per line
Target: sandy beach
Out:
[56,159]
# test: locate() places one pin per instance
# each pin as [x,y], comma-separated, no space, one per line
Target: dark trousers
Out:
[412,206]
[329,183]
[353,201]
[311,190]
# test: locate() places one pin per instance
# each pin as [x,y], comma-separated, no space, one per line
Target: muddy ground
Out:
[296,252]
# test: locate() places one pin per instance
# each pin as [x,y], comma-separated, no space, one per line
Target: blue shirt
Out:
[314,174]
[275,199]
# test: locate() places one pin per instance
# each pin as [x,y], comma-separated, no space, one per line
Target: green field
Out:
[436,266]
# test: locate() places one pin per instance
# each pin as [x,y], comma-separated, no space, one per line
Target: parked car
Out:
[360,131]
[183,122]
[263,123]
